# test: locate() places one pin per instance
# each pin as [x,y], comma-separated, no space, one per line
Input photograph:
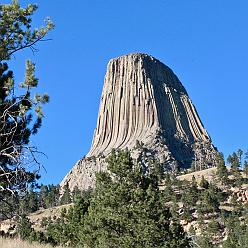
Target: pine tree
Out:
[234,161]
[75,220]
[203,242]
[16,31]
[9,206]
[127,209]
[24,227]
[245,170]
[66,229]
[204,183]
[20,115]
[237,234]
[32,201]
[66,197]
[222,171]
[43,195]
[193,182]
[213,229]
[56,190]
[76,193]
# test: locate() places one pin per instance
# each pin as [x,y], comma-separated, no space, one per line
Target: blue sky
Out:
[204,42]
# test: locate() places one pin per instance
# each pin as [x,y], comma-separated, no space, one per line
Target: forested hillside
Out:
[131,201]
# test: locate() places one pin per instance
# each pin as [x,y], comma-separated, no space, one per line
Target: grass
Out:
[207,173]
[17,243]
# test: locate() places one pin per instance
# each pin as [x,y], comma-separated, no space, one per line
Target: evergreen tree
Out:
[210,200]
[56,193]
[20,115]
[75,193]
[239,154]
[189,197]
[213,230]
[66,229]
[43,195]
[234,161]
[193,182]
[49,196]
[24,227]
[237,235]
[66,197]
[75,219]
[23,204]
[203,242]
[127,209]
[245,170]
[16,31]
[32,201]
[222,171]
[204,183]
[9,206]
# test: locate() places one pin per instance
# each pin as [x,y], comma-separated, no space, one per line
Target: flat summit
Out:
[145,108]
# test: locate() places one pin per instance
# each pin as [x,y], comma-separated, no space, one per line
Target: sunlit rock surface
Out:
[145,108]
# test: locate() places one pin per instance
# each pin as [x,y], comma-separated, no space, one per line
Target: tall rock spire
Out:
[144,104]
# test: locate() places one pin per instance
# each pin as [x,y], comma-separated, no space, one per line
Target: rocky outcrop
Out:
[239,195]
[145,108]
[242,195]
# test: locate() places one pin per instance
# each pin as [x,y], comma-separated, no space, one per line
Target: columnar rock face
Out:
[145,108]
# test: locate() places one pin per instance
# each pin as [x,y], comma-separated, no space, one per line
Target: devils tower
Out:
[144,108]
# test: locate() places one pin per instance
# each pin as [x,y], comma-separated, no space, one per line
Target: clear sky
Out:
[203,42]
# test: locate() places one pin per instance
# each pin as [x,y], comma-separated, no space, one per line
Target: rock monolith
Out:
[144,108]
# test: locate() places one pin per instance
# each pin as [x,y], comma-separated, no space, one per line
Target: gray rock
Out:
[144,106]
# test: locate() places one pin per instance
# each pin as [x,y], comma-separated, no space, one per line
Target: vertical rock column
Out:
[144,102]
[140,96]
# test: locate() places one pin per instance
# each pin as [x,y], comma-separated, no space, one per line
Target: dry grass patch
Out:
[208,174]
[36,217]
[17,243]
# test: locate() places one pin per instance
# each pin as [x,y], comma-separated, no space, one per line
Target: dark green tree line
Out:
[127,209]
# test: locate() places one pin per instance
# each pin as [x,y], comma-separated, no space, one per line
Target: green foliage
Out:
[20,115]
[16,32]
[189,197]
[222,171]
[44,222]
[131,207]
[204,183]
[66,229]
[245,170]
[66,197]
[16,127]
[203,242]
[237,235]
[24,227]
[128,210]
[213,228]
[30,201]
[210,200]
[234,161]
[9,206]
[49,195]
